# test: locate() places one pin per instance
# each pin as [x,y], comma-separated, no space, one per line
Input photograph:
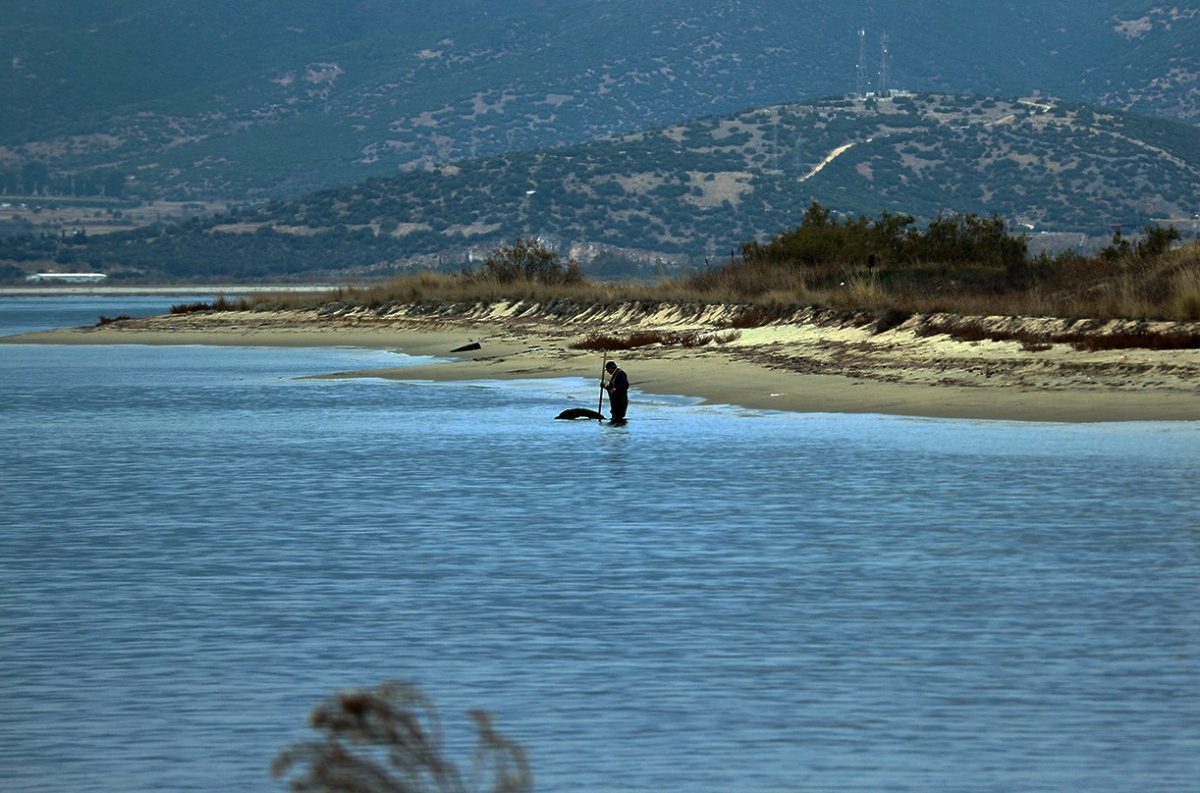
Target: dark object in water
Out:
[580,413]
[467,347]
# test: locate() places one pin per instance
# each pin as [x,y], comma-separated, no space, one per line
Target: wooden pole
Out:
[600,404]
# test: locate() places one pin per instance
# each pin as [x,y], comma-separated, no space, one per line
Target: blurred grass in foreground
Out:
[388,739]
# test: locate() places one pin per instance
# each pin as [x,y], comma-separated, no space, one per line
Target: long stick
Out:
[600,404]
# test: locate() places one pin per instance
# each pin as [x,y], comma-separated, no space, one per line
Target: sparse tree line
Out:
[891,238]
[36,179]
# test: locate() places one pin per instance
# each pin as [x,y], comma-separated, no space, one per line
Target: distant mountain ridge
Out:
[689,192]
[236,101]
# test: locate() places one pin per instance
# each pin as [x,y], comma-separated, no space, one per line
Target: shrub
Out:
[1118,247]
[191,308]
[527,260]
[1156,241]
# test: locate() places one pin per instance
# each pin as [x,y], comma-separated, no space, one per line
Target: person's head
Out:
[610,366]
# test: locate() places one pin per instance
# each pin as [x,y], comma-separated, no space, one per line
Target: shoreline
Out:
[76,290]
[796,366]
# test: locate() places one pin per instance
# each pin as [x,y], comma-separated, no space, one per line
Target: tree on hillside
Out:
[114,184]
[35,176]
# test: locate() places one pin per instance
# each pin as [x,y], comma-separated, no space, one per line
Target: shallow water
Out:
[196,546]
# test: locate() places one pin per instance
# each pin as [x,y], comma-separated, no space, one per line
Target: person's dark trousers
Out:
[620,403]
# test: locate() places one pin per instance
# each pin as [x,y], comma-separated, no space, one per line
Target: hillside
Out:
[230,101]
[698,187]
[688,192]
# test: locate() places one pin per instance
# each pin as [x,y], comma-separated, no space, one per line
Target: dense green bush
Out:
[823,239]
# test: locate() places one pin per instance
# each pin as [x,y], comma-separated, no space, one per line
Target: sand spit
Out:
[813,360]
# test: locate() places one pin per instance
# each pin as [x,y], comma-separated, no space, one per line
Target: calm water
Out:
[196,546]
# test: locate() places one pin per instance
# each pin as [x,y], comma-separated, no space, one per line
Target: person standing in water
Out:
[618,391]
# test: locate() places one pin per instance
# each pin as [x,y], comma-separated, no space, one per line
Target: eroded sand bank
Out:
[808,363]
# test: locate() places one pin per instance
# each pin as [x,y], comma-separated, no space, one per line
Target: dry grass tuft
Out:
[388,739]
[1186,294]
[645,338]
[220,304]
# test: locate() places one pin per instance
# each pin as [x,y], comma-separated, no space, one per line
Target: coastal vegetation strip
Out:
[885,268]
[951,305]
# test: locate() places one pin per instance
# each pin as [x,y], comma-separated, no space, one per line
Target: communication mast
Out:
[884,56]
[861,86]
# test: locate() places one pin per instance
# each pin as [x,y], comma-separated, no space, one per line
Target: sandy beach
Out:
[809,363]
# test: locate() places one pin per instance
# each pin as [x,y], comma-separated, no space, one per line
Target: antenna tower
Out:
[861,86]
[884,57]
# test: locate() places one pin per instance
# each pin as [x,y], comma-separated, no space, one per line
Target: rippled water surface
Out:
[196,545]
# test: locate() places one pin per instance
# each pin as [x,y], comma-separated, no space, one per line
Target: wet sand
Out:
[802,367]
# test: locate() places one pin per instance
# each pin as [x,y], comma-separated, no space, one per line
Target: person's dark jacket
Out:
[618,384]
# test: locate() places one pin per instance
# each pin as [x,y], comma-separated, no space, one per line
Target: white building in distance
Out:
[65,278]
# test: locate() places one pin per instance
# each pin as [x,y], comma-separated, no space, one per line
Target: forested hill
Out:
[696,190]
[232,100]
[700,186]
